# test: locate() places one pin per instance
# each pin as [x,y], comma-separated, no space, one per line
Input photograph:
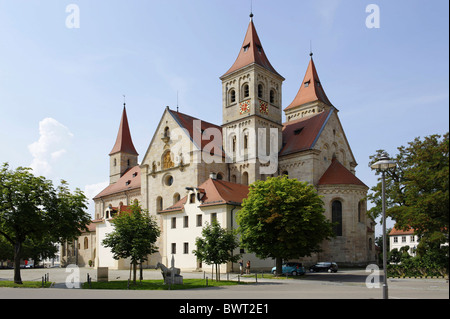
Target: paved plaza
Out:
[346,284]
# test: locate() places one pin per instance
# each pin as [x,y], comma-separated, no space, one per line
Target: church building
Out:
[194,172]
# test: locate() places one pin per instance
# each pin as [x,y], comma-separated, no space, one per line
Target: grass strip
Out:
[25,284]
[158,284]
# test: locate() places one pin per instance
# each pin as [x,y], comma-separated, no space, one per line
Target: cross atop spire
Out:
[251,52]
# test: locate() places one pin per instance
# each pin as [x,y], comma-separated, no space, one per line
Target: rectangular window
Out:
[192,198]
[174,222]
[174,248]
[186,221]
[403,239]
[395,239]
[199,221]
[213,217]
[186,248]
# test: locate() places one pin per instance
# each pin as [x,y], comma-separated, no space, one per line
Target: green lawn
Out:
[158,284]
[26,284]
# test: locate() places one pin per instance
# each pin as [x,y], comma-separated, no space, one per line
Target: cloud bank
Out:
[54,139]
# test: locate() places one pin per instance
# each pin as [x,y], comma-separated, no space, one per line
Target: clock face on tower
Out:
[263,107]
[244,107]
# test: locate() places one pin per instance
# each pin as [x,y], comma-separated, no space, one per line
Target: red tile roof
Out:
[337,174]
[130,180]
[312,91]
[216,192]
[187,122]
[251,52]
[395,231]
[123,142]
[301,134]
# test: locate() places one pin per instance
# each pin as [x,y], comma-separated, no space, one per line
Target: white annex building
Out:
[194,171]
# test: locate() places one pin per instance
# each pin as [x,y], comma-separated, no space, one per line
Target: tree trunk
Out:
[217,273]
[134,273]
[17,253]
[279,265]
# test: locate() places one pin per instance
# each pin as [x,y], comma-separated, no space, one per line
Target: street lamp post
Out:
[383,164]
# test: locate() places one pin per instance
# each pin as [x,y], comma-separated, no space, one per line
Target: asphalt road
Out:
[346,284]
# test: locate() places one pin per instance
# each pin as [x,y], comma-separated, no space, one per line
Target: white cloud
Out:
[54,138]
[92,190]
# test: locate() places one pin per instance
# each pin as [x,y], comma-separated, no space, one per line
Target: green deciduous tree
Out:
[283,218]
[34,215]
[134,236]
[417,190]
[216,246]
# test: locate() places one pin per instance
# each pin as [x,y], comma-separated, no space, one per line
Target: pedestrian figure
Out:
[241,267]
[247,268]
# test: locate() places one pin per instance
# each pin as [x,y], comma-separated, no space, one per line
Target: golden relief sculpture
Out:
[167,161]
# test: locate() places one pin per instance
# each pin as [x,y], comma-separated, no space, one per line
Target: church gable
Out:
[177,136]
[332,143]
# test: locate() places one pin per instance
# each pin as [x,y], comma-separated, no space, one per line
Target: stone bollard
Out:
[102,274]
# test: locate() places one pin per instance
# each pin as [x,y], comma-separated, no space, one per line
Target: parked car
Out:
[293,269]
[324,266]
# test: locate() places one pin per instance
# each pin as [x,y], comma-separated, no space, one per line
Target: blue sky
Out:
[61,89]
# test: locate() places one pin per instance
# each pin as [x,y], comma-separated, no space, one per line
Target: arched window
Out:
[360,211]
[246,91]
[233,179]
[86,243]
[245,178]
[336,217]
[272,96]
[167,132]
[232,96]
[176,198]
[159,204]
[260,91]
[219,176]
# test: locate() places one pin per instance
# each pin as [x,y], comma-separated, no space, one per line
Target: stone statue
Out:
[170,275]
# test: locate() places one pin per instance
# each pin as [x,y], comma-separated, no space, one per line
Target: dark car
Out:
[291,268]
[324,266]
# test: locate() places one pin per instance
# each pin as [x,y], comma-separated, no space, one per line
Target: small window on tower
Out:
[246,91]
[260,91]
[307,84]
[246,47]
[232,96]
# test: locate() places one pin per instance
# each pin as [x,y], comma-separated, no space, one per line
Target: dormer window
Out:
[297,132]
[259,48]
[246,47]
[307,84]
